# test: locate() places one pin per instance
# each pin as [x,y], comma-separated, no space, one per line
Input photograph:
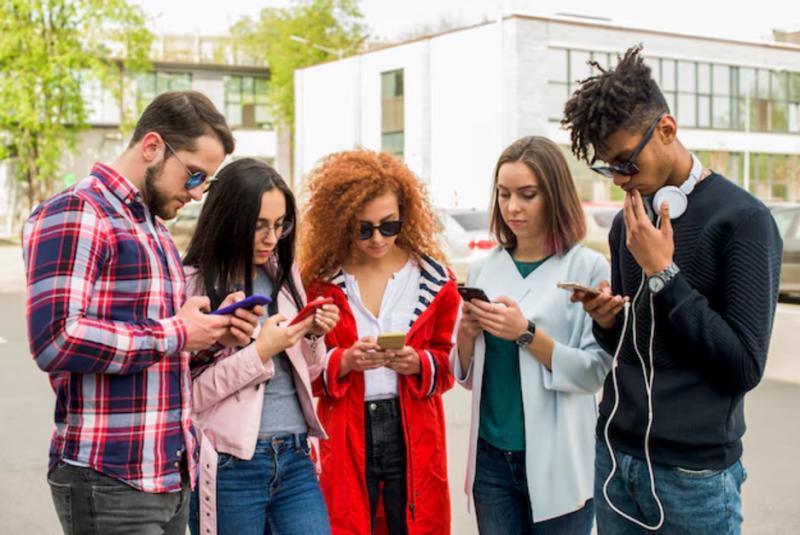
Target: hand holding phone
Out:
[604,307]
[247,303]
[577,287]
[363,355]
[468,293]
[310,308]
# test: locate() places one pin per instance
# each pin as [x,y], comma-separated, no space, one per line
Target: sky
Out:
[390,19]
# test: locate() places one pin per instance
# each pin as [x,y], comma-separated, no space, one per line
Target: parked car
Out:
[787,217]
[465,238]
[466,233]
[599,217]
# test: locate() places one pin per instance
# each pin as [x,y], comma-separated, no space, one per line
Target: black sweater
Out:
[713,326]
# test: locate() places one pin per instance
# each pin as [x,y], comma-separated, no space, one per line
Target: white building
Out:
[236,86]
[449,103]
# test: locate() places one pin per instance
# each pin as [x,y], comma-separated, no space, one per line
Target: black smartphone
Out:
[468,293]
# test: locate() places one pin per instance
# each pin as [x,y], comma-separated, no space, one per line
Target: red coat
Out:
[341,411]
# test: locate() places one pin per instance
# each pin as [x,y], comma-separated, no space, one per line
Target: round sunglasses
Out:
[281,230]
[196,178]
[387,229]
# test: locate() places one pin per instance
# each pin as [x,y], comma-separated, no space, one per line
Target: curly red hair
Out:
[339,188]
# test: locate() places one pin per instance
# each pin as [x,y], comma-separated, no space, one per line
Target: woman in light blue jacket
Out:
[529,356]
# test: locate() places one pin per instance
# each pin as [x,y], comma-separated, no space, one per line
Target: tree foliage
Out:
[333,24]
[50,51]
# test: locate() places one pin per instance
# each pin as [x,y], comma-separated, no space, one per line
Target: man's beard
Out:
[155,200]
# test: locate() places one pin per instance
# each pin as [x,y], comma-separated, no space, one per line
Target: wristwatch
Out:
[526,338]
[658,281]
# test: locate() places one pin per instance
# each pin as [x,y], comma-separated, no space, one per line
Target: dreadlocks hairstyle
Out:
[624,97]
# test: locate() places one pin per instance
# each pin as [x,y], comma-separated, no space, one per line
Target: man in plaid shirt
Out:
[107,321]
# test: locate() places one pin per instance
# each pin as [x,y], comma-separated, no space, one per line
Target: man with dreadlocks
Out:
[695,264]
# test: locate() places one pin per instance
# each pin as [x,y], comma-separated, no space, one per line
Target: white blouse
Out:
[397,308]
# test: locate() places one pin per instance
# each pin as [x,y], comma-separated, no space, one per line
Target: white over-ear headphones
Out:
[677,198]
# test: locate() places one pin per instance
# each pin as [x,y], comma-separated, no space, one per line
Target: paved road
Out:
[772,492]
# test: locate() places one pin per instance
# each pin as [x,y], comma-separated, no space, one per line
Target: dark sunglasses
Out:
[387,229]
[628,167]
[196,178]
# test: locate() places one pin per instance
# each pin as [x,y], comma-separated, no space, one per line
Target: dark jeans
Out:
[503,504]
[88,502]
[696,502]
[386,462]
[274,492]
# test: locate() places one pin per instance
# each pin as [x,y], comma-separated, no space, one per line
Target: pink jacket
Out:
[228,395]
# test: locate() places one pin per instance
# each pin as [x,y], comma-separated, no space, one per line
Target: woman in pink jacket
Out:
[253,405]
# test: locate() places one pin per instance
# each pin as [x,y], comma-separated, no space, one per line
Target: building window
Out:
[151,84]
[728,164]
[246,102]
[773,176]
[392,116]
[700,95]
[101,105]
[669,81]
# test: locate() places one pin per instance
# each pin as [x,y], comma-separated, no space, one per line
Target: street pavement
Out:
[771,493]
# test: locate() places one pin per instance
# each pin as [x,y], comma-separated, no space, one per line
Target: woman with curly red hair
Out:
[369,241]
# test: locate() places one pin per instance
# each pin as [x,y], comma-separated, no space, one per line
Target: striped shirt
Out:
[104,281]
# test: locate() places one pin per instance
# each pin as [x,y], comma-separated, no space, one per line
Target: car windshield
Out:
[472,221]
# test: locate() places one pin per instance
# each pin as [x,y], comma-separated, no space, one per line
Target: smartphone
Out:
[247,303]
[310,308]
[467,293]
[392,340]
[577,287]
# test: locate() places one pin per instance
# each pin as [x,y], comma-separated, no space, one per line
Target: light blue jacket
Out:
[559,404]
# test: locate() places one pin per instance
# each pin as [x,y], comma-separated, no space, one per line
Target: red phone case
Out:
[310,308]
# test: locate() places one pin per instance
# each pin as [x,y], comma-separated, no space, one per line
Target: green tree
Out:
[333,24]
[49,50]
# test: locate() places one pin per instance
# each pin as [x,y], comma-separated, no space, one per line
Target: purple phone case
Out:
[247,302]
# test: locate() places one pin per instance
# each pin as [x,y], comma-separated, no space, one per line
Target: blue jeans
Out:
[696,502]
[502,501]
[275,492]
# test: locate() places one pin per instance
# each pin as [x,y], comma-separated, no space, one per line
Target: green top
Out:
[502,417]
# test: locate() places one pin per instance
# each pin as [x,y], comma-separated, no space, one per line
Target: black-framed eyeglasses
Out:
[281,230]
[387,229]
[628,167]
[196,178]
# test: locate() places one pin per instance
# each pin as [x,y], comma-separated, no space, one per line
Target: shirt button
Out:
[179,453]
[177,464]
[372,407]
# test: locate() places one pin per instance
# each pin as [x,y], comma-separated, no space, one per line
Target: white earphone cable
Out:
[648,384]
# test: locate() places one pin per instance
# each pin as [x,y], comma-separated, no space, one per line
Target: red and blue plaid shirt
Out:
[104,284]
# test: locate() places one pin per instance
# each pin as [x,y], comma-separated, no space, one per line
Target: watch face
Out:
[525,339]
[655,284]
